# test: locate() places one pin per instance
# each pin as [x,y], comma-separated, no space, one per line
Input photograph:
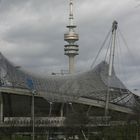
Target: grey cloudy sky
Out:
[31,33]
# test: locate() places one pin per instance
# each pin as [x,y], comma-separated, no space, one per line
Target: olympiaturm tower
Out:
[71,49]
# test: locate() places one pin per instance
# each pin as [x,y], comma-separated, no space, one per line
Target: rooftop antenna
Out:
[71,49]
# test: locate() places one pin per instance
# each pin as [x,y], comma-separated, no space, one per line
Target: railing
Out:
[56,122]
[27,122]
[48,121]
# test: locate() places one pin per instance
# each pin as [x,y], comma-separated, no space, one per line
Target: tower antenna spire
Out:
[71,18]
[71,49]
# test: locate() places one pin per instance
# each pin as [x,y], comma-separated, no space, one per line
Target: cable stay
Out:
[101,48]
[133,58]
[126,45]
[107,52]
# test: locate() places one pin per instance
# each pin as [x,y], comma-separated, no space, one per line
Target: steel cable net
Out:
[91,84]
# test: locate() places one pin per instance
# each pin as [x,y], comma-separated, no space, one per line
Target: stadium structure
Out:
[62,103]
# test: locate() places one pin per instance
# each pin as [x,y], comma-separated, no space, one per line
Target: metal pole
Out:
[61,110]
[85,138]
[137,132]
[33,117]
[30,85]
[107,97]
[111,62]
[1,108]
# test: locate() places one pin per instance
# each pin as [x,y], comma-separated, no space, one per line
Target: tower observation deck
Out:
[71,49]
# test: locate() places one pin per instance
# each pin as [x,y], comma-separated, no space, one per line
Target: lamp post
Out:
[33,91]
[33,114]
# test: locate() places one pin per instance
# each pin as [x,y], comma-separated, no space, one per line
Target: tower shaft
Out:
[71,49]
[71,64]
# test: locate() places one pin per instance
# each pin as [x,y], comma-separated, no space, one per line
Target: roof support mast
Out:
[111,62]
[112,49]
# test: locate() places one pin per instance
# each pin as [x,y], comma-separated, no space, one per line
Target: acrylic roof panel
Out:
[91,84]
